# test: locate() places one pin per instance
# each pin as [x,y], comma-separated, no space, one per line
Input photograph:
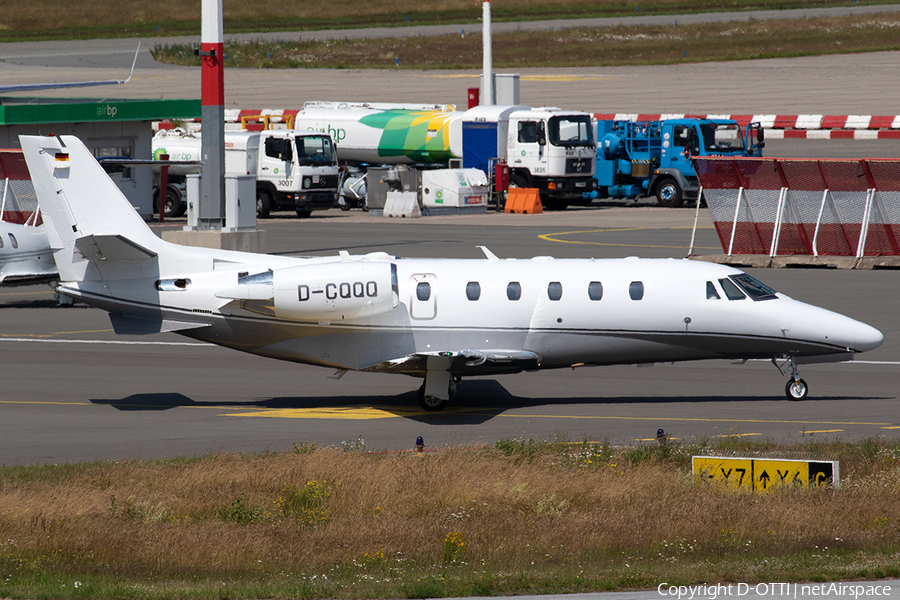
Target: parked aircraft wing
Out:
[28,87]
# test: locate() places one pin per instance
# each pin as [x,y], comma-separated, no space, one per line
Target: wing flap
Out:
[463,362]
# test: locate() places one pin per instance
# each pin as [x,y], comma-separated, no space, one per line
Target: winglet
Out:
[133,63]
[488,254]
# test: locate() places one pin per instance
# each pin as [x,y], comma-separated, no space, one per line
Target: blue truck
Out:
[653,158]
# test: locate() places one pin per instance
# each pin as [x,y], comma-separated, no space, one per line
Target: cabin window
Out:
[731,290]
[423,291]
[513,290]
[636,290]
[595,290]
[754,288]
[554,290]
[13,241]
[473,290]
[1,242]
[711,293]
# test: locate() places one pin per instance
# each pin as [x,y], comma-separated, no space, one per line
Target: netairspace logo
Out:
[777,590]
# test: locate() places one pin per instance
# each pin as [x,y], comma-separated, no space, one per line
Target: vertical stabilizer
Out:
[79,200]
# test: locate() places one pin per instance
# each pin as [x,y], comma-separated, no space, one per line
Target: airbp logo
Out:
[107,110]
[159,152]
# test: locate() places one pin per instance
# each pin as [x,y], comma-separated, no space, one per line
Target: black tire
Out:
[796,390]
[668,193]
[263,204]
[518,181]
[303,213]
[554,203]
[430,403]
[175,206]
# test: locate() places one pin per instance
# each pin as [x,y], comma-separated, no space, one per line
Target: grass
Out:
[602,46]
[63,19]
[519,517]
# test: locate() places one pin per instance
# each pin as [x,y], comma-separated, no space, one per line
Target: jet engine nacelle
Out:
[335,291]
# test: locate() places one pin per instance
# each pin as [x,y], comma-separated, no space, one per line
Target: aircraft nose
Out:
[866,337]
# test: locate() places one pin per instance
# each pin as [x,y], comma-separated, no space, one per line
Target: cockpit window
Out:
[754,288]
[711,293]
[731,290]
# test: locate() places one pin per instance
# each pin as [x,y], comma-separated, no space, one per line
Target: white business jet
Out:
[25,255]
[436,319]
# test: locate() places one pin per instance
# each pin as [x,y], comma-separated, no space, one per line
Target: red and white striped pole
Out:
[212,99]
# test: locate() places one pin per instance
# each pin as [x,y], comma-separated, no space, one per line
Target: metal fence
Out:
[18,202]
[831,207]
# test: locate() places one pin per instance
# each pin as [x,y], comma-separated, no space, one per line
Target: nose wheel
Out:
[796,389]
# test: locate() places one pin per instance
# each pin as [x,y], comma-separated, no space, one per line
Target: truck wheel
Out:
[263,204]
[174,202]
[303,213]
[554,203]
[668,193]
[517,181]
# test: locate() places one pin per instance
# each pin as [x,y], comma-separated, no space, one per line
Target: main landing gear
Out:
[439,386]
[796,389]
[431,402]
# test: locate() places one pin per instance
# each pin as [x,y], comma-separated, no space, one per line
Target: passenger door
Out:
[423,296]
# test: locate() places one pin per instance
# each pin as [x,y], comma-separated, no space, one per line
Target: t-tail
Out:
[88,218]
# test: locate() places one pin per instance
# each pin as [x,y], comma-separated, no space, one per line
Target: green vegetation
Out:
[63,19]
[523,516]
[599,46]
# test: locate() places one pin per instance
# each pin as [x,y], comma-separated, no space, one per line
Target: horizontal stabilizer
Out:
[26,278]
[138,326]
[112,247]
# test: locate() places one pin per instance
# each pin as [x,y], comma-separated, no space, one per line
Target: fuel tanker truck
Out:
[294,170]
[550,149]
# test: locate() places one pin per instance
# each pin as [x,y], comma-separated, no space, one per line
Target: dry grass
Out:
[23,20]
[551,517]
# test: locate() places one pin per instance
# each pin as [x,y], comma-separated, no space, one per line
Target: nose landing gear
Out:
[796,389]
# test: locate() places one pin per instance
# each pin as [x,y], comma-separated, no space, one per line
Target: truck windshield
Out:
[574,130]
[314,151]
[722,138]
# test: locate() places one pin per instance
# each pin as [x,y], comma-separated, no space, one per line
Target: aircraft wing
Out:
[126,325]
[462,362]
[27,87]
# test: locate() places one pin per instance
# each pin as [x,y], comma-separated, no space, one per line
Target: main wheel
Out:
[796,389]
[263,204]
[668,193]
[430,403]
[303,213]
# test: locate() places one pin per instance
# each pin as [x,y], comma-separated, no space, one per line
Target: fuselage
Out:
[565,311]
